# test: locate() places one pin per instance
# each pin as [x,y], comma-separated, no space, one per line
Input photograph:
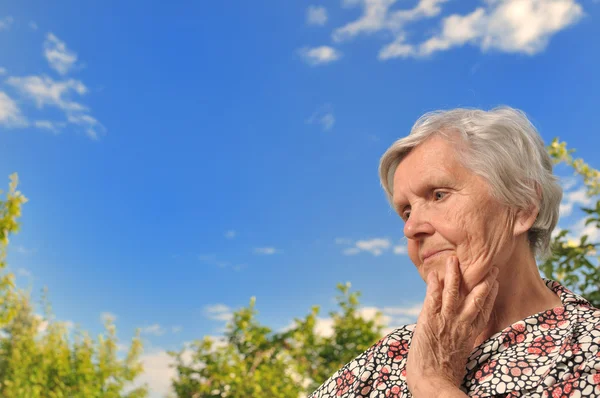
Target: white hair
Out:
[504,148]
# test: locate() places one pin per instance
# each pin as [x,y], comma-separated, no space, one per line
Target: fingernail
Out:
[495,271]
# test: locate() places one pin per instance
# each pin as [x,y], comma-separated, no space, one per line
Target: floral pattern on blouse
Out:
[551,354]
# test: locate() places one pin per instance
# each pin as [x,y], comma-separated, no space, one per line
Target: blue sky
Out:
[181,158]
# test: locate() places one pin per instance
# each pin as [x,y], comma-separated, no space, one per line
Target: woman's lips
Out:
[433,255]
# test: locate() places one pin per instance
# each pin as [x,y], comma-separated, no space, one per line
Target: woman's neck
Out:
[522,293]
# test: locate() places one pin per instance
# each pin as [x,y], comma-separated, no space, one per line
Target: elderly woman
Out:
[478,200]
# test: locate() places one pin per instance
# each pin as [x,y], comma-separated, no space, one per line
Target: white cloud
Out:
[90,124]
[33,25]
[44,324]
[316,15]
[568,183]
[343,241]
[55,127]
[157,373]
[514,26]
[176,329]
[374,246]
[57,54]
[578,196]
[456,31]
[44,91]
[265,250]
[23,250]
[155,330]
[122,347]
[377,16]
[577,230]
[230,234]
[351,251]
[23,272]
[323,117]
[319,55]
[10,114]
[5,23]
[211,259]
[108,316]
[2,71]
[218,312]
[411,311]
[400,249]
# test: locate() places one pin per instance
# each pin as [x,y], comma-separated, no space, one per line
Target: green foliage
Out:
[38,363]
[575,263]
[254,361]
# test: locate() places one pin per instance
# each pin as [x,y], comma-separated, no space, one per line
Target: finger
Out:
[451,295]
[433,296]
[488,306]
[474,303]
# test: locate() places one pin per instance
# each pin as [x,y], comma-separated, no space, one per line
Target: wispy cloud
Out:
[400,249]
[375,246]
[24,250]
[377,16]
[54,127]
[6,23]
[211,259]
[323,117]
[59,57]
[33,25]
[155,330]
[23,272]
[230,234]
[10,113]
[343,241]
[578,196]
[514,26]
[176,329]
[578,229]
[218,312]
[108,316]
[319,55]
[266,250]
[2,71]
[316,15]
[45,92]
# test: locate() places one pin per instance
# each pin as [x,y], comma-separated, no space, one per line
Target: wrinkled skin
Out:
[447,207]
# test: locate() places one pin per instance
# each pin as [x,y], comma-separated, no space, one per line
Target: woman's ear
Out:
[525,218]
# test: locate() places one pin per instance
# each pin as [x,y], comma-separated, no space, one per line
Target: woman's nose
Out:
[417,224]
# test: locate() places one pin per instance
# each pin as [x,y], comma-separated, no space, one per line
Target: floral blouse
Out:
[554,353]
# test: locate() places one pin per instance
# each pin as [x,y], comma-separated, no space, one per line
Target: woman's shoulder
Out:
[386,358]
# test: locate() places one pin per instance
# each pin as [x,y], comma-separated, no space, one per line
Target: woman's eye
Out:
[405,215]
[439,195]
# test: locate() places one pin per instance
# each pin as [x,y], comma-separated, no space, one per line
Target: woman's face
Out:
[448,210]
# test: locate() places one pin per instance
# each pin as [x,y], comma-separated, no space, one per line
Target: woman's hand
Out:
[446,330]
